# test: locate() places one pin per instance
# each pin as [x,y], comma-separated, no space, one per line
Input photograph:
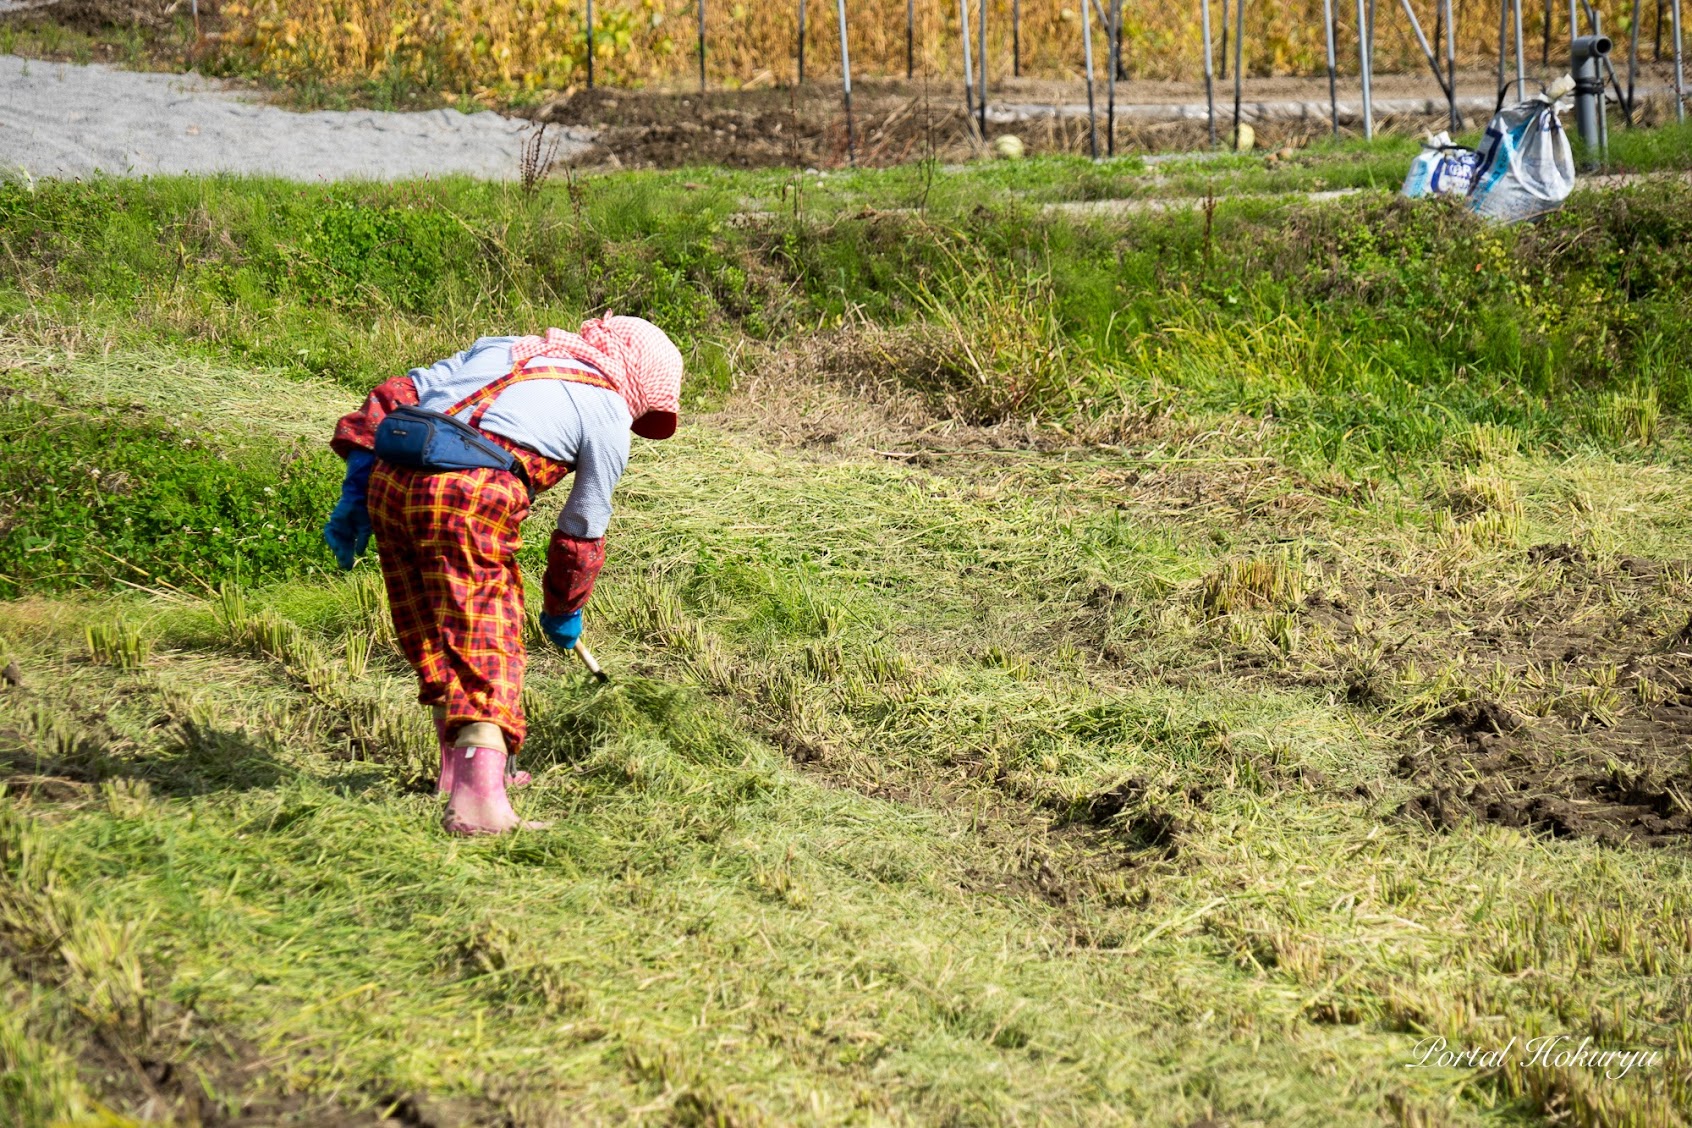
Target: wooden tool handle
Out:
[590,662]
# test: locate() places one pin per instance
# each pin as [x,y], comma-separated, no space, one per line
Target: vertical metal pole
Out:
[1210,69]
[846,86]
[1224,40]
[1371,52]
[1239,65]
[981,71]
[969,67]
[1016,38]
[1364,50]
[910,39]
[1545,51]
[1679,64]
[1451,63]
[801,42]
[701,46]
[1521,58]
[1333,79]
[1087,49]
[1603,95]
[590,42]
[1503,30]
[1112,32]
[1632,60]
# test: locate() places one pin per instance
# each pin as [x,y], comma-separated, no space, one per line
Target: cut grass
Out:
[1041,771]
[866,830]
[764,910]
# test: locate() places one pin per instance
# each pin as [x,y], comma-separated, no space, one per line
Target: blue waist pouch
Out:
[426,440]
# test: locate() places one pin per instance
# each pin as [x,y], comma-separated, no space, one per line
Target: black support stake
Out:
[1114,30]
[910,39]
[1016,38]
[1224,40]
[1632,62]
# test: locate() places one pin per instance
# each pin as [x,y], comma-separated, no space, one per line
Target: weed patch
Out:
[99,497]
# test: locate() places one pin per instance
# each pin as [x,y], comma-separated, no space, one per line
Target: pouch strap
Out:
[484,396]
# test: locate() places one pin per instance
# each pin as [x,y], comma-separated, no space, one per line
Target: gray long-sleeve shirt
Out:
[584,427]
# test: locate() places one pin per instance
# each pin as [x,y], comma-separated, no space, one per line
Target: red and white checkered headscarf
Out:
[633,354]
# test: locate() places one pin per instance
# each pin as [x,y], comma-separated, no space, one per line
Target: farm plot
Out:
[1146,670]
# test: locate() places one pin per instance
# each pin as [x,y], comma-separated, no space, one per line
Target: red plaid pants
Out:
[448,544]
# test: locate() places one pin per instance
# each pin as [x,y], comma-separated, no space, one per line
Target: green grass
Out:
[33,37]
[1379,323]
[897,929]
[978,751]
[95,498]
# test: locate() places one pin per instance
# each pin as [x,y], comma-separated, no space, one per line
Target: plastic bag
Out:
[1419,181]
[1455,175]
[1441,169]
[1526,165]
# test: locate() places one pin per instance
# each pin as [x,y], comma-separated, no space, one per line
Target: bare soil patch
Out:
[1625,782]
[875,391]
[896,121]
[1598,740]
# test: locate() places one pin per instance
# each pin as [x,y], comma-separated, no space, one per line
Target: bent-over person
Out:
[442,465]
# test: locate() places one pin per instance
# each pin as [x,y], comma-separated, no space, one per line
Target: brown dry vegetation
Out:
[491,50]
[523,51]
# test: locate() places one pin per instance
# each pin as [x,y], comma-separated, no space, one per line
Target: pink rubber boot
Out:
[478,804]
[449,762]
[443,784]
[513,779]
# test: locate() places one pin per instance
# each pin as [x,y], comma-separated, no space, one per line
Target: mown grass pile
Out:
[1080,739]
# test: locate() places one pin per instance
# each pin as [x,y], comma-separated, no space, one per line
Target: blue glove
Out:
[562,630]
[348,530]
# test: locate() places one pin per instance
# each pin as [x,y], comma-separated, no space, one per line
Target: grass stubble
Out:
[963,765]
